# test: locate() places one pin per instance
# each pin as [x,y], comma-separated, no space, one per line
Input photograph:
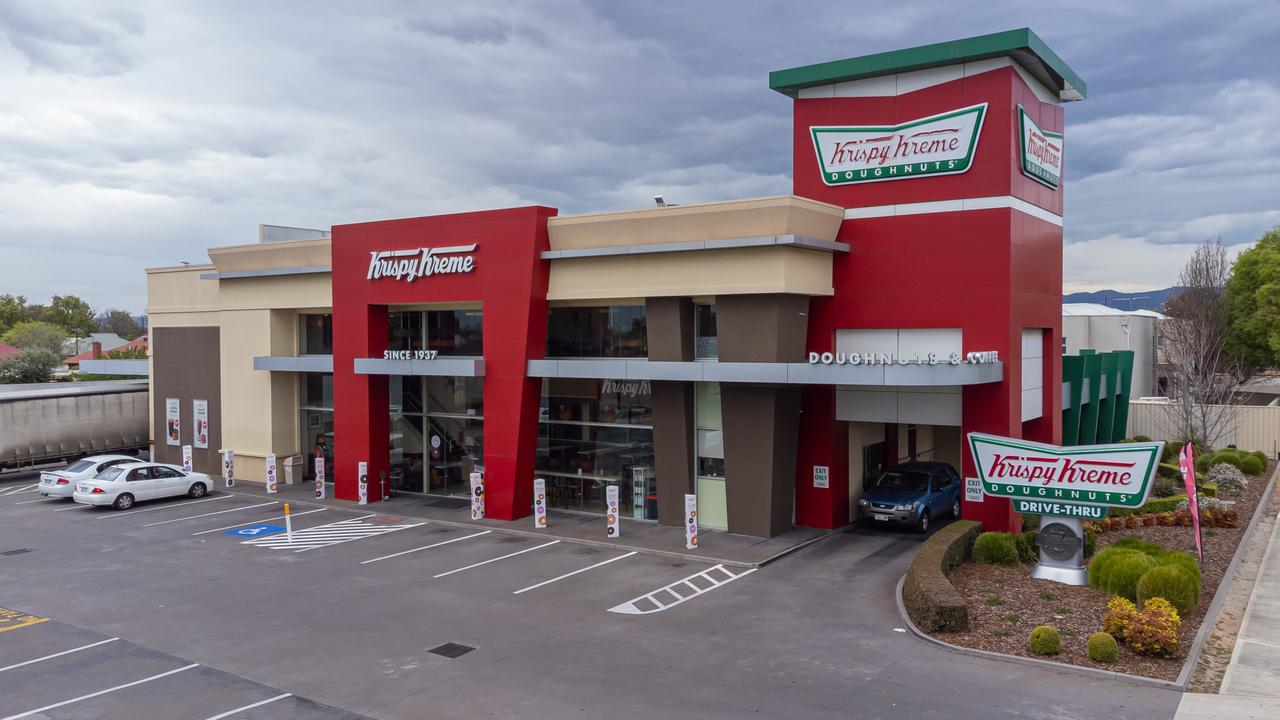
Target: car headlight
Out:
[903,506]
[863,502]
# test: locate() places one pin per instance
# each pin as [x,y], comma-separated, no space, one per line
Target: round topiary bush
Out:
[1171,582]
[995,548]
[1142,438]
[1260,455]
[1133,542]
[1228,478]
[1103,648]
[1100,565]
[1125,572]
[1045,641]
[1250,465]
[1184,560]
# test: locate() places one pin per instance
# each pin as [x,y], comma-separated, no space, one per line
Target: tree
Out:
[119,322]
[11,311]
[1253,304]
[36,336]
[29,366]
[1204,373]
[71,313]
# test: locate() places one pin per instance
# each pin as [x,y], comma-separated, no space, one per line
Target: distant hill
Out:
[1124,300]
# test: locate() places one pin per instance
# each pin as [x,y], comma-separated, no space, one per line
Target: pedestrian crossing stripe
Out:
[331,534]
[665,598]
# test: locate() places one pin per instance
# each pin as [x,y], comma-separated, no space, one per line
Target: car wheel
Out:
[124,501]
[197,490]
[955,509]
[923,525]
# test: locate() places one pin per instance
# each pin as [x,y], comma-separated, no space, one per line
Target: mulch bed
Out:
[1005,603]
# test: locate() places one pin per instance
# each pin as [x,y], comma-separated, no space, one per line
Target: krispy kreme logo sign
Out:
[409,265]
[1039,151]
[1116,475]
[936,145]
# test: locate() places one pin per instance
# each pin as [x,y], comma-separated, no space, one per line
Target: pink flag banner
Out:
[1187,464]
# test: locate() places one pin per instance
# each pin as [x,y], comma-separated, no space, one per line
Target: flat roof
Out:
[1023,45]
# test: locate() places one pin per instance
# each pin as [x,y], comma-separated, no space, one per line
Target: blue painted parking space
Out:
[254,531]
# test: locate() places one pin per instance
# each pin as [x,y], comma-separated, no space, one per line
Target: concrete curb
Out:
[1224,587]
[488,525]
[1188,666]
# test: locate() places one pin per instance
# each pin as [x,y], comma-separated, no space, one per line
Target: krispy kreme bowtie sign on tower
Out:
[942,144]
[1040,152]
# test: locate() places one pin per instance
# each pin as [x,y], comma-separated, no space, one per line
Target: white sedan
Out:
[123,485]
[62,483]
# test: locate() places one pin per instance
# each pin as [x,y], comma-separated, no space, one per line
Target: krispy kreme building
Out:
[768,354]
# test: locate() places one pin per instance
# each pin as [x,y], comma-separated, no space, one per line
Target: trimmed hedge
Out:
[1102,648]
[1173,583]
[1158,505]
[1251,465]
[1045,640]
[995,548]
[931,600]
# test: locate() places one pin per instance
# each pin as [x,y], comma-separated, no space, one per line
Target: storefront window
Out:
[455,395]
[597,332]
[454,332]
[404,331]
[593,434]
[437,433]
[315,334]
[710,479]
[706,345]
[316,422]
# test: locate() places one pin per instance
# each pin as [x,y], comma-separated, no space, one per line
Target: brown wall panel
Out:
[762,328]
[185,365]
[760,435]
[670,335]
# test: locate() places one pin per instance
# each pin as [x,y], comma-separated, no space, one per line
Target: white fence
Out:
[1252,427]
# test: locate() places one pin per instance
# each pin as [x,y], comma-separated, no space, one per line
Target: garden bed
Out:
[1004,602]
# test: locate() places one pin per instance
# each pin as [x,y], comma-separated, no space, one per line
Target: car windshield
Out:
[110,473]
[899,480]
[78,466]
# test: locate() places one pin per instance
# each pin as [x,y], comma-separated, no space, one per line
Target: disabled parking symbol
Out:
[253,531]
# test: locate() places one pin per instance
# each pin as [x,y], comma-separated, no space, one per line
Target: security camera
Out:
[657,200]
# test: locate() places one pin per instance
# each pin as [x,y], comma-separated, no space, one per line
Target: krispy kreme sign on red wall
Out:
[1118,475]
[941,144]
[1040,152]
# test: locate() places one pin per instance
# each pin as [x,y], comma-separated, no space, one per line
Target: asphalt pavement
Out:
[391,617]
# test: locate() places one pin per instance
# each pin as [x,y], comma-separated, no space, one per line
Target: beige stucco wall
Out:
[699,272]
[755,217]
[256,316]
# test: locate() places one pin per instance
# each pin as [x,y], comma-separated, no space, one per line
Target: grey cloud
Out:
[66,40]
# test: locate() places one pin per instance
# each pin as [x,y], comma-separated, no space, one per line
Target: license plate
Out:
[883,518]
[82,488]
[46,479]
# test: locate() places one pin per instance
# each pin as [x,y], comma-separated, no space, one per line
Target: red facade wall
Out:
[510,284]
[990,272]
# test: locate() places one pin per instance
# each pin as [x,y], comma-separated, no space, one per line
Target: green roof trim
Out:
[1023,45]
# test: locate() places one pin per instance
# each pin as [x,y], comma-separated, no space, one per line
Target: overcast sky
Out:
[138,134]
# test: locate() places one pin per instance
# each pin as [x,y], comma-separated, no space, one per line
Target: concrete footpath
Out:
[1250,687]
[644,536]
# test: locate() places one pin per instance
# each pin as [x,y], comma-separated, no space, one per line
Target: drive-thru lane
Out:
[352,624]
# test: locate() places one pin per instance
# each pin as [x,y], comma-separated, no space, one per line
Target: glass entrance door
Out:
[456,450]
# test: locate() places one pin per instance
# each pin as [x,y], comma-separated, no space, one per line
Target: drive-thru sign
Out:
[1064,485]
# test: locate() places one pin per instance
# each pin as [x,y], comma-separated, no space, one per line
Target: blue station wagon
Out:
[912,493]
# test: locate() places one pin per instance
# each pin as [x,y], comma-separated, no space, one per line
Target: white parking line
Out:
[425,547]
[20,490]
[57,654]
[260,703]
[575,572]
[29,713]
[77,506]
[660,603]
[28,502]
[133,511]
[220,512]
[243,524]
[504,557]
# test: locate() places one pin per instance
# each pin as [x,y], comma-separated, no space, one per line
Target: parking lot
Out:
[390,617]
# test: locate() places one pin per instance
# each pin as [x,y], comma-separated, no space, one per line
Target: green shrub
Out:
[1260,455]
[1028,550]
[1155,630]
[930,599]
[1173,583]
[1158,505]
[1207,490]
[1100,565]
[1090,542]
[1184,560]
[1126,570]
[995,548]
[1170,454]
[1102,648]
[1133,542]
[1045,641]
[1142,438]
[1250,465]
[1120,617]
